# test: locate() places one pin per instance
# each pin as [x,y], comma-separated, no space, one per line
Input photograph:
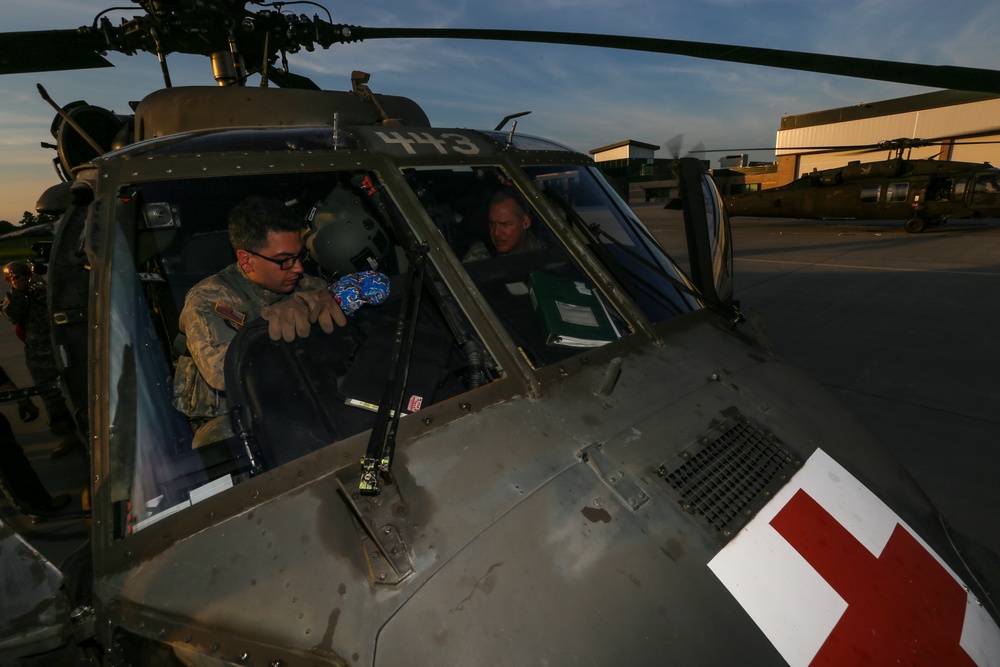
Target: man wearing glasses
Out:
[267,281]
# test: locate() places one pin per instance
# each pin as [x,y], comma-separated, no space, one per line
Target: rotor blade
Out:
[49,51]
[787,148]
[934,76]
[966,135]
[893,144]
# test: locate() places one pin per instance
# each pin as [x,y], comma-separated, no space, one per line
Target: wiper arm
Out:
[377,462]
[376,466]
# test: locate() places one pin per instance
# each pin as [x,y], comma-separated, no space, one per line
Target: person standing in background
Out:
[27,309]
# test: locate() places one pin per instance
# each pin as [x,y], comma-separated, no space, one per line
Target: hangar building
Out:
[947,116]
[965,125]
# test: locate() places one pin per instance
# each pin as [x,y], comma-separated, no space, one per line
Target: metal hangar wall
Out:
[948,115]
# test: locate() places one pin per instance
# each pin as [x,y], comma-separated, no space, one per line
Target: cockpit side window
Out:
[987,184]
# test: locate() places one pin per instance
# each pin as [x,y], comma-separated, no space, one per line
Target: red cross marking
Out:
[903,607]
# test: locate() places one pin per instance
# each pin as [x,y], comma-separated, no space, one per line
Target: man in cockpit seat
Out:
[509,230]
[267,280]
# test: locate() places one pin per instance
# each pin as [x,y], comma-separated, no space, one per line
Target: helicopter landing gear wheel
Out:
[915,225]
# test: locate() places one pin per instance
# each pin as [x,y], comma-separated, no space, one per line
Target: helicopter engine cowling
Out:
[100,124]
[888,169]
[189,108]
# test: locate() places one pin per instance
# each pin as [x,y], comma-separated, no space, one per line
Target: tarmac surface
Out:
[900,327]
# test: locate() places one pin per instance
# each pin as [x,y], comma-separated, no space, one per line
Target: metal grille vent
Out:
[727,475]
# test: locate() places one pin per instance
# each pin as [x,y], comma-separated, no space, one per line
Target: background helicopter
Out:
[923,192]
[278,562]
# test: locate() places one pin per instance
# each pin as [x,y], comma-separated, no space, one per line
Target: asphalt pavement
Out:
[900,327]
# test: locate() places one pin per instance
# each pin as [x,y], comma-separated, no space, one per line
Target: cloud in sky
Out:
[580,97]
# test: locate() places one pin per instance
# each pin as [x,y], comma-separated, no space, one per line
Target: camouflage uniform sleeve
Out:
[208,333]
[477,252]
[309,283]
[535,243]
[15,305]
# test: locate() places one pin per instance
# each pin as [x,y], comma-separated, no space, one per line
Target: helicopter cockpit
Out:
[288,400]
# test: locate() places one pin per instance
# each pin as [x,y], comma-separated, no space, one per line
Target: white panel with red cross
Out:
[832,576]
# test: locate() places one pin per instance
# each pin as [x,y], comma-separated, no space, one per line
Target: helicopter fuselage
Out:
[925,193]
[572,454]
[652,488]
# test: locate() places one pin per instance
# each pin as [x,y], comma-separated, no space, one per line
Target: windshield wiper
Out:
[377,462]
[376,466]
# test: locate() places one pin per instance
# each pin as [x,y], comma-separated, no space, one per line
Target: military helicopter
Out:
[454,477]
[925,193]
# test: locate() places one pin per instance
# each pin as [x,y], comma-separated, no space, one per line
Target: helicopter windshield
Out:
[548,305]
[522,246]
[510,251]
[284,400]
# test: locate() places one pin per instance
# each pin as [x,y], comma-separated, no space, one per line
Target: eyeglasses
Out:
[284,263]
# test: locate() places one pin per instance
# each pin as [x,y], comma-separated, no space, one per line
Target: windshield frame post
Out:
[377,462]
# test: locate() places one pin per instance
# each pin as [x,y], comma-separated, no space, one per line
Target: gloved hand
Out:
[323,308]
[287,319]
[26,410]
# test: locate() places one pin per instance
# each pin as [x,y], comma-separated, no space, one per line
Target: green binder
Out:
[570,314]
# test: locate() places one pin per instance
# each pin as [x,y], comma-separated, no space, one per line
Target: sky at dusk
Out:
[581,97]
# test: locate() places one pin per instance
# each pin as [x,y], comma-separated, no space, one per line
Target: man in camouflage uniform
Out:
[267,281]
[509,229]
[26,307]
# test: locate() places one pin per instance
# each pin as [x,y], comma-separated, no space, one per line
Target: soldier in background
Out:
[26,307]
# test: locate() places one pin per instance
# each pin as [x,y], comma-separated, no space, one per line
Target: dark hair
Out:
[254,218]
[505,193]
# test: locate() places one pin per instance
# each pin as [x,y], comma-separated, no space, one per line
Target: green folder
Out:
[570,313]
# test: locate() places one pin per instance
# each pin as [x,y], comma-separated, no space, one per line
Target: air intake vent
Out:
[728,474]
